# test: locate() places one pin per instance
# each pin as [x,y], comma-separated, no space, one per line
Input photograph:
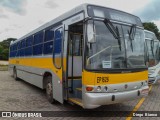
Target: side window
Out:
[38,38]
[28,49]
[49,34]
[48,45]
[21,52]
[38,43]
[29,41]
[37,49]
[19,45]
[23,43]
[18,49]
[57,48]
[13,50]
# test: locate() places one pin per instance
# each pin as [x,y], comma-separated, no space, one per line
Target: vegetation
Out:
[4,48]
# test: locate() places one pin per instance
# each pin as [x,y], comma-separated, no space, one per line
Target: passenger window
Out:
[29,41]
[23,43]
[57,48]
[28,51]
[19,45]
[49,34]
[21,52]
[48,48]
[37,49]
[38,38]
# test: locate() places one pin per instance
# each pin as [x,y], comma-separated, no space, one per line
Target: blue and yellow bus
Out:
[90,56]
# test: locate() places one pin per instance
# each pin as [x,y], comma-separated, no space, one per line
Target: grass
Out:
[3,67]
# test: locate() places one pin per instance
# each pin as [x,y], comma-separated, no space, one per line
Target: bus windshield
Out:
[117,47]
[153,52]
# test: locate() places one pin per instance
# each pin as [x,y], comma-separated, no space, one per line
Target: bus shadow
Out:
[67,106]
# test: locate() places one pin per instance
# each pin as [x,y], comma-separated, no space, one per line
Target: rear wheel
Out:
[15,74]
[49,89]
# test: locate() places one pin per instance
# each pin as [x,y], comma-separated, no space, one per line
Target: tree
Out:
[5,53]
[1,49]
[152,27]
[6,43]
[4,48]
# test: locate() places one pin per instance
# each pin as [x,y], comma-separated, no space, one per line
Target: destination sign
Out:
[112,14]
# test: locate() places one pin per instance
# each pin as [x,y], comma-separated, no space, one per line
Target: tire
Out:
[49,89]
[15,74]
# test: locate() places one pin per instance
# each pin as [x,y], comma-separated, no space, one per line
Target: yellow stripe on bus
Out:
[43,63]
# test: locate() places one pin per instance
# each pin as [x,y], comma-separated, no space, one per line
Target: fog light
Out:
[99,88]
[89,88]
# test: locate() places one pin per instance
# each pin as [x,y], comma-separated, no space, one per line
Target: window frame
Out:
[58,67]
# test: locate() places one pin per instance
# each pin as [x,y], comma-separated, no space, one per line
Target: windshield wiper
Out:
[132,33]
[152,47]
[113,30]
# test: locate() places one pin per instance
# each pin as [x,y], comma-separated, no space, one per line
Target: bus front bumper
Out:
[94,100]
[154,80]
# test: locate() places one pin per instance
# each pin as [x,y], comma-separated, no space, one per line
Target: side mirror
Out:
[91,34]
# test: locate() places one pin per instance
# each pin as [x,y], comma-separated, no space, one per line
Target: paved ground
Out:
[152,102]
[21,96]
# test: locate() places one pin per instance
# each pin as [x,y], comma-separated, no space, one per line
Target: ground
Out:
[21,96]
[3,65]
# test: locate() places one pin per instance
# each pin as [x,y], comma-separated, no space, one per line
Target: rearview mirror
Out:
[91,34]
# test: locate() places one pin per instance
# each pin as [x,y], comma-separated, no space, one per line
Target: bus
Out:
[153,57]
[90,56]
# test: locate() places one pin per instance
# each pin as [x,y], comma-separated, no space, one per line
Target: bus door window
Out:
[75,40]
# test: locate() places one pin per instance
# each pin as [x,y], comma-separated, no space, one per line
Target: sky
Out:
[19,17]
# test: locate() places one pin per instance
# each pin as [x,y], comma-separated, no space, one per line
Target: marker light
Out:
[89,88]
[99,88]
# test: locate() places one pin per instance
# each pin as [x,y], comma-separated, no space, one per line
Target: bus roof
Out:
[150,35]
[66,15]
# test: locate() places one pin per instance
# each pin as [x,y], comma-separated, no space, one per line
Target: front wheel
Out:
[49,89]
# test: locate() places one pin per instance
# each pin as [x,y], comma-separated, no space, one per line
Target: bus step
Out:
[79,89]
[76,101]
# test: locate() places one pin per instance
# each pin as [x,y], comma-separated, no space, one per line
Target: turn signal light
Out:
[89,88]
